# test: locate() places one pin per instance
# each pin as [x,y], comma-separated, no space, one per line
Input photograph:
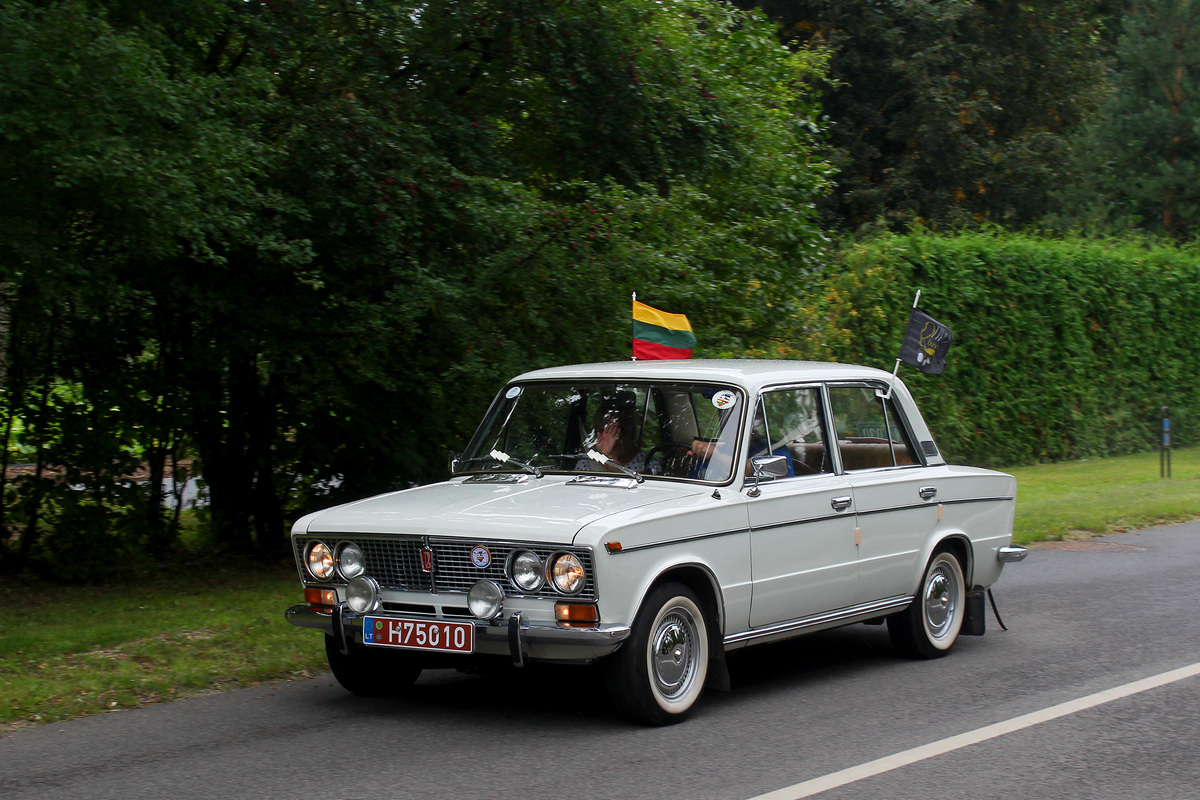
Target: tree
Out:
[310,240]
[950,113]
[1140,163]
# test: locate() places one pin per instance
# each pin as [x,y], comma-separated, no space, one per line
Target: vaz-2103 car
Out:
[654,516]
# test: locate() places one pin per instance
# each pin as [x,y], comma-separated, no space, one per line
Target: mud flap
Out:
[974,621]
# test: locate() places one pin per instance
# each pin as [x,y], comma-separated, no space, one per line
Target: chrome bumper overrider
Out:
[1011,554]
[514,632]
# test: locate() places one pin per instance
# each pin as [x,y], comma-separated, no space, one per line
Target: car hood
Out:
[548,509]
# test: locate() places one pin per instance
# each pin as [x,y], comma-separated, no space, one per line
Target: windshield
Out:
[674,430]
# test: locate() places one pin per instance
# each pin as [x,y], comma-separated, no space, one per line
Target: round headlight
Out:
[350,561]
[320,561]
[526,571]
[566,570]
[362,594]
[486,599]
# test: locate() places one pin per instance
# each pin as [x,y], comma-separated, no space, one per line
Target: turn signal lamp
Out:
[320,597]
[576,615]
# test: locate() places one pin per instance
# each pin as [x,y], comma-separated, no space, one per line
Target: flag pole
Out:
[896,369]
[632,333]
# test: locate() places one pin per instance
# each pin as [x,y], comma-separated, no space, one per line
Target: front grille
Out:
[395,561]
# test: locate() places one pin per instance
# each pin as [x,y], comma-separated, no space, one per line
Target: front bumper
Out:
[514,636]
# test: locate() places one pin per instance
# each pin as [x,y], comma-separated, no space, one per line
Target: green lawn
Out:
[70,651]
[1104,495]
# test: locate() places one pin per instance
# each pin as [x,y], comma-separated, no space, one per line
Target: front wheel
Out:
[369,672]
[658,675]
[930,626]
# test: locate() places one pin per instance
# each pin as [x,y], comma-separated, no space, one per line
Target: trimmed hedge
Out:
[1062,348]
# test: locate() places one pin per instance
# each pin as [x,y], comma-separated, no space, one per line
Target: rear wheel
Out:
[658,675]
[930,626]
[371,672]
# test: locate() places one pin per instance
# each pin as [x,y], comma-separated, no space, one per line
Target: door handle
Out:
[841,503]
[927,492]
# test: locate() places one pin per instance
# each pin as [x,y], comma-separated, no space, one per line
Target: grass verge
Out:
[1104,495]
[71,651]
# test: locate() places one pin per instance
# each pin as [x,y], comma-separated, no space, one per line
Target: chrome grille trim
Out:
[395,561]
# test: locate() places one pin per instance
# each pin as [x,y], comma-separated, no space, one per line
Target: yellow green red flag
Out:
[658,335]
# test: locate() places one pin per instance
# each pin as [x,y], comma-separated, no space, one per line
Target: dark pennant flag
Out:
[926,343]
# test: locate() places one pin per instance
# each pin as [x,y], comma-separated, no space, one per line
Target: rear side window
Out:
[870,432]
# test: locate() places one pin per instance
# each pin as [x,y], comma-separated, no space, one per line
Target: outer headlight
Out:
[526,571]
[486,599]
[351,562]
[566,571]
[362,595]
[320,561]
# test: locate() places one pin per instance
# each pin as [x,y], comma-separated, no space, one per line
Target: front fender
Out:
[625,578]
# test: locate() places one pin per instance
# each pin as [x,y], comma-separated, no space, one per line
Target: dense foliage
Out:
[1062,348]
[951,112]
[1138,164]
[305,242]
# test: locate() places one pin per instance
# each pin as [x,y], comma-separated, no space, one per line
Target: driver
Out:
[615,434]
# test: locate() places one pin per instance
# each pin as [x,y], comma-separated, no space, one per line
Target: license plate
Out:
[419,634]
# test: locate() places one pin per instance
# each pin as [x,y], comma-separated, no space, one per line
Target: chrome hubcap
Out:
[672,653]
[940,600]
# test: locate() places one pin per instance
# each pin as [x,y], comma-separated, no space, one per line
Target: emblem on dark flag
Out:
[926,343]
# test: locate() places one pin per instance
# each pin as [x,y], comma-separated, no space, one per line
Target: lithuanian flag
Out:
[658,335]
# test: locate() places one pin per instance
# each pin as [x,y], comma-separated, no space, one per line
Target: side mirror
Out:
[766,467]
[769,466]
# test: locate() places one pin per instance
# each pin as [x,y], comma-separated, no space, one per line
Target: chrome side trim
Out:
[680,540]
[1011,554]
[828,619]
[789,523]
[964,501]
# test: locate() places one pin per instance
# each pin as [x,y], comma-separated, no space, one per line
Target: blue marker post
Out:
[1164,458]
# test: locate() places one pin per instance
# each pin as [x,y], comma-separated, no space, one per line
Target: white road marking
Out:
[889,763]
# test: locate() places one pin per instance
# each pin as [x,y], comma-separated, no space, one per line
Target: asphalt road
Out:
[1082,623]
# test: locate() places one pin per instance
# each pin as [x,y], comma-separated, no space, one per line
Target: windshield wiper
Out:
[505,458]
[605,461]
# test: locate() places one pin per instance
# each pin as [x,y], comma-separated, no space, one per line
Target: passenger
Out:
[703,450]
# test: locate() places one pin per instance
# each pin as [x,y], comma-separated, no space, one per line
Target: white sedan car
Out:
[655,515]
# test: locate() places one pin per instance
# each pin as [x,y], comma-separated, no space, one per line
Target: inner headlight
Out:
[566,570]
[362,594]
[486,599]
[350,561]
[526,571]
[320,561]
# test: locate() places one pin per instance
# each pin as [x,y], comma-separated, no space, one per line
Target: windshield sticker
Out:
[480,556]
[726,398]
[513,391]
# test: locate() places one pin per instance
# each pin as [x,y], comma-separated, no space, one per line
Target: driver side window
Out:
[792,423]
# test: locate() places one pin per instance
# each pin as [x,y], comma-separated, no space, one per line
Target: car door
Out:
[894,494]
[803,551]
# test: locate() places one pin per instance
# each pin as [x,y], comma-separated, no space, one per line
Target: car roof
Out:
[748,373]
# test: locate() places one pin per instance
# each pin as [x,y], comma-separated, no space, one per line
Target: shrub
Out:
[1064,348]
